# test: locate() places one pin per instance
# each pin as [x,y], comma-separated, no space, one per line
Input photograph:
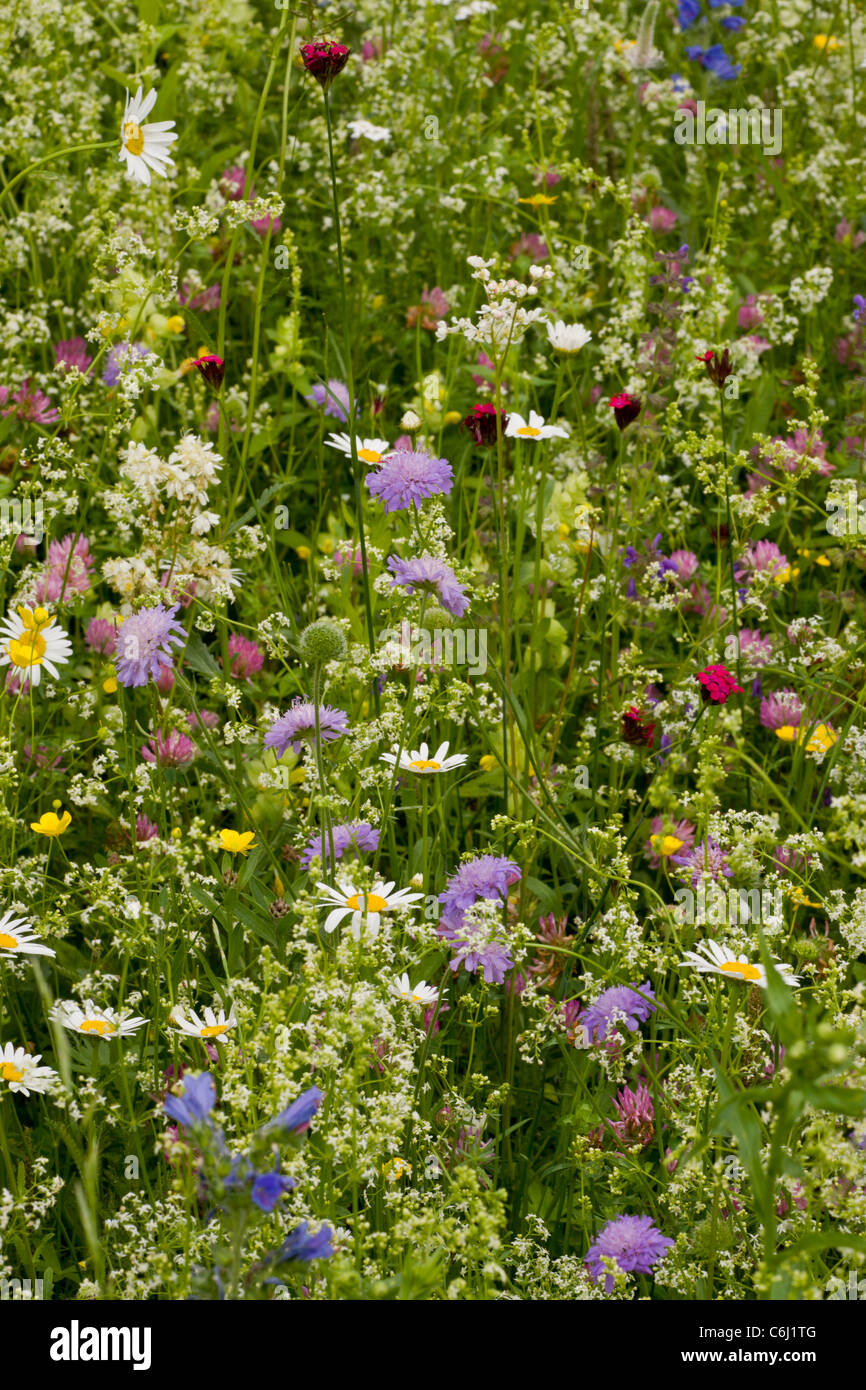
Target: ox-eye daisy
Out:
[349,902]
[144,147]
[535,428]
[18,938]
[713,959]
[21,1070]
[210,1028]
[30,640]
[419,759]
[102,1023]
[369,450]
[413,994]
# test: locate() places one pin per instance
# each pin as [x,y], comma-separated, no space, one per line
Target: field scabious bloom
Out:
[357,836]
[298,725]
[144,644]
[406,478]
[486,876]
[634,1242]
[619,1004]
[426,573]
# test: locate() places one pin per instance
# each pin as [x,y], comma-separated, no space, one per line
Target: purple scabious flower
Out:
[430,575]
[408,477]
[619,1004]
[635,1244]
[334,399]
[707,857]
[477,947]
[196,1103]
[358,836]
[144,644]
[119,359]
[486,876]
[299,723]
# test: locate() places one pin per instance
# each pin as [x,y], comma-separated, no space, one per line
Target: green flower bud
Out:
[322,641]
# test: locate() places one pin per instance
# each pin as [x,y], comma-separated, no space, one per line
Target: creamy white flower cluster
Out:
[503,320]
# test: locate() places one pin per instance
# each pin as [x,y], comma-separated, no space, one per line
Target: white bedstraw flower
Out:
[144,147]
[17,938]
[534,428]
[712,959]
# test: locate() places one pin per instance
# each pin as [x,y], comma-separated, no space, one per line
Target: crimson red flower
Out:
[481,424]
[324,60]
[718,368]
[636,728]
[717,684]
[625,408]
[213,369]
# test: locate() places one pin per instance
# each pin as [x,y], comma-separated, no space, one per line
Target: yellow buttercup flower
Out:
[303,552]
[787,733]
[236,842]
[539,200]
[827,41]
[488,762]
[51,824]
[799,899]
[665,845]
[175,324]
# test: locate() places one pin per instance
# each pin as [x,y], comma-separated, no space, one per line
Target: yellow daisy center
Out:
[374,902]
[738,967]
[369,456]
[214,1030]
[133,138]
[530,430]
[97,1025]
[10,1073]
[426,765]
[8,942]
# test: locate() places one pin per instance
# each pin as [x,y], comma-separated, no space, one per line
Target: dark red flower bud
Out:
[625,408]
[213,369]
[636,728]
[481,424]
[324,60]
[718,368]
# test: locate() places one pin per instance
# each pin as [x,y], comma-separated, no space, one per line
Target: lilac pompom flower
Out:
[486,876]
[334,399]
[144,644]
[408,477]
[635,1244]
[620,1004]
[299,724]
[357,836]
[431,576]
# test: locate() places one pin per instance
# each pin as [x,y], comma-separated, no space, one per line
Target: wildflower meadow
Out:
[433,652]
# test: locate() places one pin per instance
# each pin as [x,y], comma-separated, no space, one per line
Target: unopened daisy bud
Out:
[410,422]
[323,641]
[212,368]
[417,880]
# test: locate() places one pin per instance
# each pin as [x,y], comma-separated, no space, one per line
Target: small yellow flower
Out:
[488,762]
[785,575]
[452,417]
[821,738]
[51,824]
[827,41]
[176,833]
[175,324]
[297,775]
[395,1168]
[378,301]
[799,899]
[539,200]
[787,733]
[236,842]
[665,845]
[821,560]
[303,552]
[110,686]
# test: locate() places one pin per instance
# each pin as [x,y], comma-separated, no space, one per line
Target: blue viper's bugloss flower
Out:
[304,1244]
[621,1004]
[733,22]
[196,1103]
[427,573]
[144,644]
[695,52]
[720,4]
[719,64]
[297,1116]
[408,477]
[268,1188]
[687,12]
[635,1244]
[859,307]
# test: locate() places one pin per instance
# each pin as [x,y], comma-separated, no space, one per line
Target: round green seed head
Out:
[323,641]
